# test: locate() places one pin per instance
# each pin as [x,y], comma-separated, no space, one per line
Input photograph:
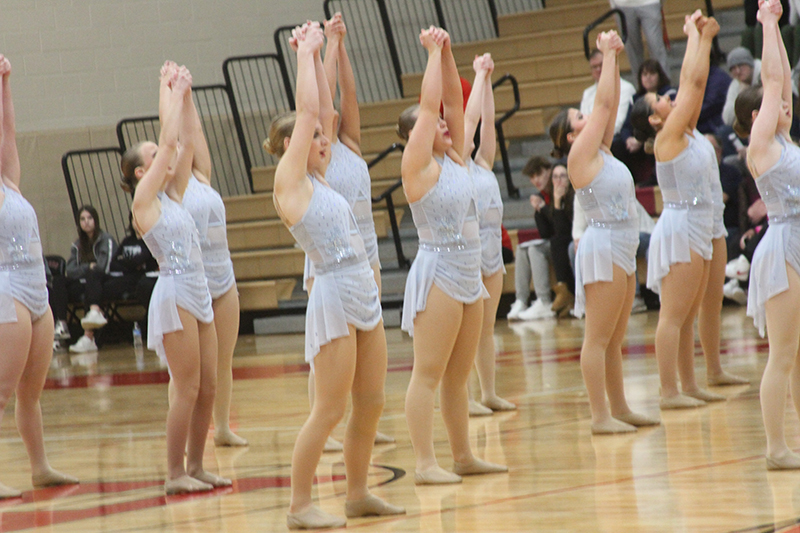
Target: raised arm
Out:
[473,110]
[763,150]
[488,146]
[292,189]
[186,144]
[145,208]
[9,156]
[452,97]
[327,114]
[331,60]
[417,161]
[350,120]
[201,164]
[584,161]
[608,135]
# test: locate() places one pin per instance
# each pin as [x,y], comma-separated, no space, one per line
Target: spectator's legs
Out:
[651,20]
[539,255]
[522,275]
[634,46]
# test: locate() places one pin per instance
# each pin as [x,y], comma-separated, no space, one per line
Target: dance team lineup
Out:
[322,194]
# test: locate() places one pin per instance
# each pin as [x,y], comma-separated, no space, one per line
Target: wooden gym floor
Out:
[701,470]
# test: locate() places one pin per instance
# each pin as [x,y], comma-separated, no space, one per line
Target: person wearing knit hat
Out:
[745,72]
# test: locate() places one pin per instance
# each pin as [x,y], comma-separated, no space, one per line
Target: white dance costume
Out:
[348,174]
[686,191]
[780,189]
[449,244]
[490,217]
[174,242]
[22,276]
[208,211]
[344,290]
[717,200]
[612,234]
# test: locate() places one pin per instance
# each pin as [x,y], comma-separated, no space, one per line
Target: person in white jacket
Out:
[745,72]
[626,92]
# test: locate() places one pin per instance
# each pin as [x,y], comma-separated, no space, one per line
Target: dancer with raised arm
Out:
[443,306]
[605,264]
[345,341]
[774,161]
[180,318]
[347,172]
[480,108]
[208,211]
[679,259]
[26,322]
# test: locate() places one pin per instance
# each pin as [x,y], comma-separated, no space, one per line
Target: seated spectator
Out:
[626,91]
[745,72]
[554,222]
[58,297]
[531,260]
[714,99]
[643,16]
[651,78]
[87,271]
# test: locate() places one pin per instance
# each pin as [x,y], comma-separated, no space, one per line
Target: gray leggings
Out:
[533,262]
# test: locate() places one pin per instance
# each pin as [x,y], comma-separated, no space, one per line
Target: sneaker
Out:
[62,331]
[516,308]
[537,311]
[638,305]
[739,269]
[57,346]
[84,344]
[94,319]
[734,292]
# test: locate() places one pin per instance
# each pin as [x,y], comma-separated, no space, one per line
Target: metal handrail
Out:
[718,53]
[513,191]
[402,262]
[587,51]
[287,84]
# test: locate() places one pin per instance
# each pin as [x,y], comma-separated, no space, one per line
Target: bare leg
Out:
[680,289]
[486,359]
[783,322]
[708,319]
[605,305]
[435,332]
[335,367]
[226,322]
[29,391]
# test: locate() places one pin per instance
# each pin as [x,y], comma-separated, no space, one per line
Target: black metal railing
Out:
[92,178]
[261,90]
[223,133]
[372,48]
[513,191]
[287,56]
[386,195]
[623,29]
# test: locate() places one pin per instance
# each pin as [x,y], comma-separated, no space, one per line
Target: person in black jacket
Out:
[554,222]
[87,271]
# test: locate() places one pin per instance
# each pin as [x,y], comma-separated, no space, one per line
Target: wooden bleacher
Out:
[542,49]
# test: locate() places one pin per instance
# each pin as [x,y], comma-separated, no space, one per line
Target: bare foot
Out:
[313,518]
[680,401]
[211,479]
[8,492]
[637,419]
[371,506]
[229,438]
[476,409]
[435,476]
[496,403]
[611,426]
[724,379]
[52,478]
[704,395]
[477,467]
[787,461]
[185,484]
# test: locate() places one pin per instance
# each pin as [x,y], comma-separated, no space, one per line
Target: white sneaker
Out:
[62,331]
[638,305]
[516,308]
[739,269]
[94,319]
[84,344]
[734,292]
[537,311]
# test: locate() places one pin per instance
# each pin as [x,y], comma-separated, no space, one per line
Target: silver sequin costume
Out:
[174,242]
[780,189]
[208,211]
[612,235]
[449,244]
[347,174]
[489,204]
[344,290]
[22,276]
[716,188]
[687,221]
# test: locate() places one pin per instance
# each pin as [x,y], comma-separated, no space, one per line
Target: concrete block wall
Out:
[79,66]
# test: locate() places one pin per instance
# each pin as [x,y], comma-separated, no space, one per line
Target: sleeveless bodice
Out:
[780,186]
[446,216]
[347,174]
[208,211]
[173,240]
[20,245]
[684,180]
[488,201]
[609,201]
[328,232]
[712,172]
